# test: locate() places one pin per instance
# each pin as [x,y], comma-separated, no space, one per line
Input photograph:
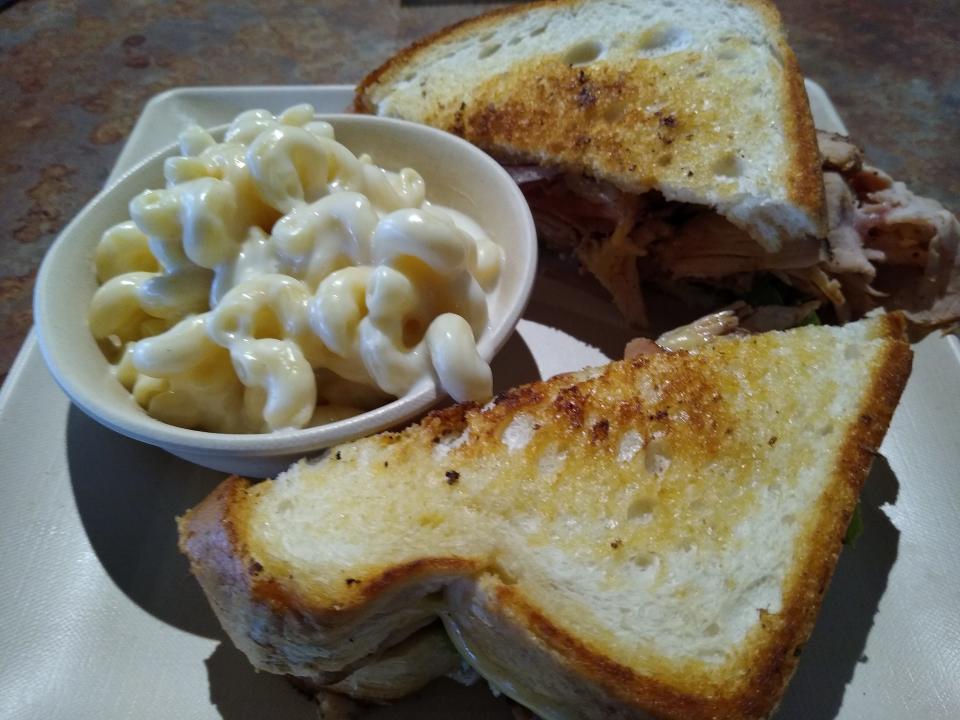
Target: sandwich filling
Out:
[885,246]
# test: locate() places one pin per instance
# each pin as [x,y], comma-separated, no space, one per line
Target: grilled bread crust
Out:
[683,119]
[321,618]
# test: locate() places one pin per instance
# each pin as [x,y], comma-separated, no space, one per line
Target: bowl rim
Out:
[153,431]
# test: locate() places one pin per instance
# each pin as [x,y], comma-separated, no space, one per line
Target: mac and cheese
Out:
[279,281]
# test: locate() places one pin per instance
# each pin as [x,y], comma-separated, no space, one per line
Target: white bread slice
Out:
[648,539]
[703,101]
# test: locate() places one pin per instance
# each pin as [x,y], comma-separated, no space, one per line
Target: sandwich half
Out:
[648,539]
[670,146]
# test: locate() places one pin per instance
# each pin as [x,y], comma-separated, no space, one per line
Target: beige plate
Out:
[99,617]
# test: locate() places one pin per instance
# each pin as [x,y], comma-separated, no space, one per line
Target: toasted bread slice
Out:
[702,101]
[652,538]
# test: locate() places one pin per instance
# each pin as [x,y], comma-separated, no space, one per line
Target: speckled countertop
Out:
[75,75]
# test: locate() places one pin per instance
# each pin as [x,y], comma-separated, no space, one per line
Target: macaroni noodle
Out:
[279,281]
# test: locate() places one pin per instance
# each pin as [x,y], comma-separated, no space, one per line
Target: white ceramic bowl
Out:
[456,174]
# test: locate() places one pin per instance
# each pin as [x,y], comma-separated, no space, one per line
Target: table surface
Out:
[74,76]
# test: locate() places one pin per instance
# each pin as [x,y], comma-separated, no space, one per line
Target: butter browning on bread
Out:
[663,144]
[703,102]
[648,539]
[670,146]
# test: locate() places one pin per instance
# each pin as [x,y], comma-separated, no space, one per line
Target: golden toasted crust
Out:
[218,534]
[808,583]
[805,179]
[215,536]
[410,53]
[773,660]
[209,536]
[595,119]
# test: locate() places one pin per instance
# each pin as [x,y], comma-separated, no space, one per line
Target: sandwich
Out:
[649,539]
[670,148]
